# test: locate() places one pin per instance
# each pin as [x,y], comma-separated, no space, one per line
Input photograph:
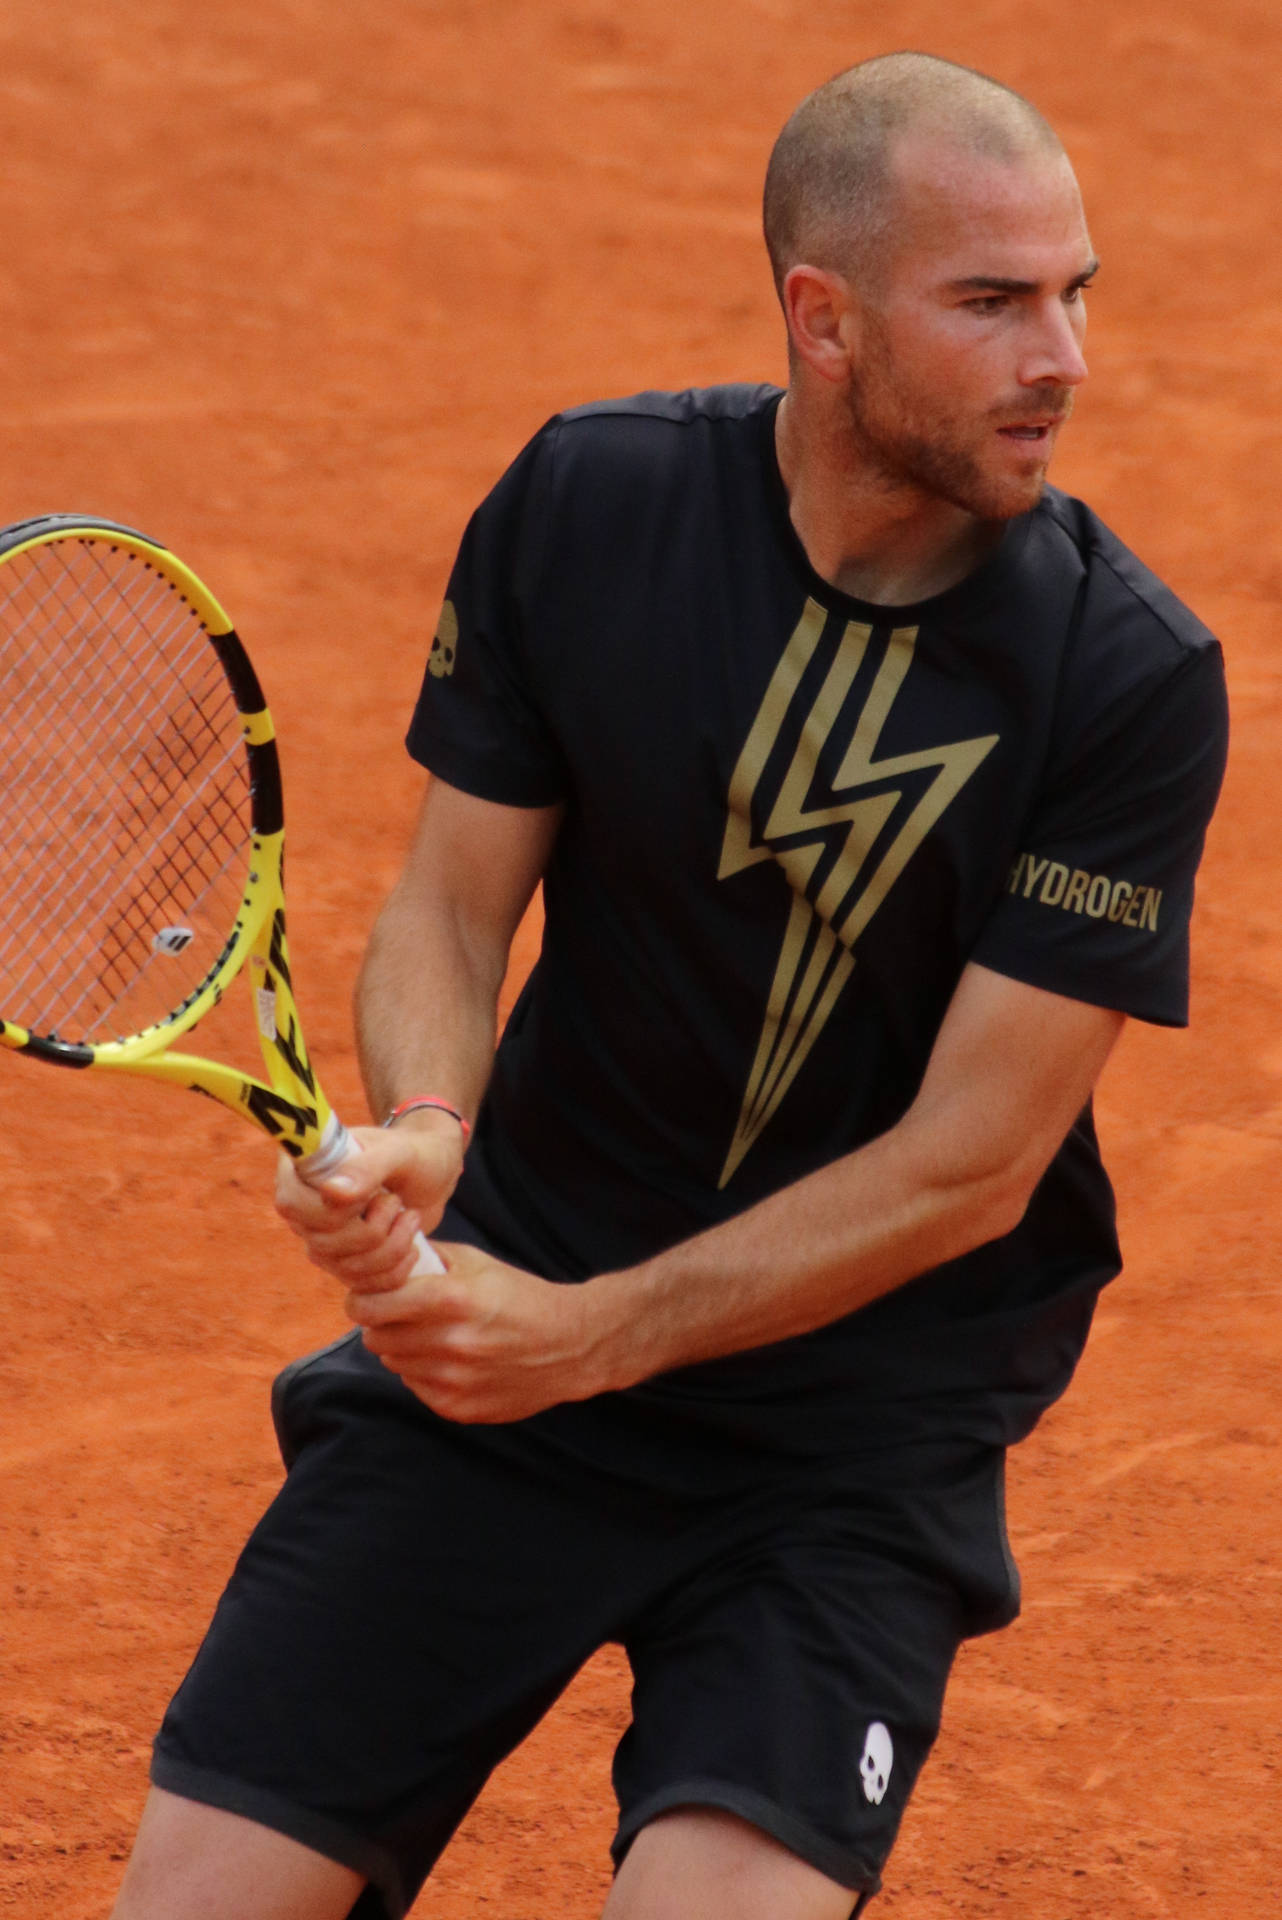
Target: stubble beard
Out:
[940,460]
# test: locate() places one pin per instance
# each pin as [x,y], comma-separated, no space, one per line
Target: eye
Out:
[988,303]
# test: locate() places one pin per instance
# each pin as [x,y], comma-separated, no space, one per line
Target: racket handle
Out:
[338,1145]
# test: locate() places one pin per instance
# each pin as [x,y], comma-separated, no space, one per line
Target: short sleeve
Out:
[477,723]
[1098,900]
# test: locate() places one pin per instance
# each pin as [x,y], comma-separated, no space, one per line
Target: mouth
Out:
[1033,433]
[1037,431]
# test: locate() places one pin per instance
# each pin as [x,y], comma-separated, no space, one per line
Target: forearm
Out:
[1011,1069]
[817,1250]
[492,1343]
[426,1008]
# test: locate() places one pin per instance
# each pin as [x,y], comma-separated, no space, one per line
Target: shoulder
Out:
[1139,672]
[1125,616]
[693,407]
[598,470]
[643,437]
[651,432]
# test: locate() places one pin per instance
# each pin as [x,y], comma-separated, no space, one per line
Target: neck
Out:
[878,540]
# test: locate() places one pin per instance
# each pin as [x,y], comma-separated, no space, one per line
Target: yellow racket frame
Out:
[289,1105]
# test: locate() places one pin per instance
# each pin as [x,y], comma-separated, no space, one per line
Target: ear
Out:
[821,313]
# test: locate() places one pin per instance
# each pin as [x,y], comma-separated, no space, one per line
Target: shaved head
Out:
[830,186]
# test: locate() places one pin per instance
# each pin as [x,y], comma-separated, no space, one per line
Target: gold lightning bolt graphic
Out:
[816,958]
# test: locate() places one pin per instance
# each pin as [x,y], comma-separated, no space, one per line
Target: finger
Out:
[356,1232]
[421,1376]
[462,1258]
[423,1168]
[460,1399]
[423,1305]
[379,1158]
[390,1264]
[374,1263]
[303,1207]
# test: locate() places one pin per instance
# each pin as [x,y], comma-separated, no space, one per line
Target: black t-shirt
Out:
[791,820]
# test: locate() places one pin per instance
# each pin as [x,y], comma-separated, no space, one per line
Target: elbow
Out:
[1006,1205]
[990,1203]
[1006,1186]
[974,1185]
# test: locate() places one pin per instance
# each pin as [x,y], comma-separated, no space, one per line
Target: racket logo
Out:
[265,1001]
[172,940]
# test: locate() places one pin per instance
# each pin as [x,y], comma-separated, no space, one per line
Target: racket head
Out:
[141,814]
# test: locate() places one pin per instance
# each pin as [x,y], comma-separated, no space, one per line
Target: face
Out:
[966,354]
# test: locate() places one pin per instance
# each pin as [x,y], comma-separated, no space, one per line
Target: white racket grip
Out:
[337,1145]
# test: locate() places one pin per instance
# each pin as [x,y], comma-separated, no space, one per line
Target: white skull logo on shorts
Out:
[874,1768]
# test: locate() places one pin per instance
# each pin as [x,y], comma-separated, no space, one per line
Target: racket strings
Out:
[107,917]
[84,718]
[120,912]
[125,807]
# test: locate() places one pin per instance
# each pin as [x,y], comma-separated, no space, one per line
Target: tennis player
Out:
[866,777]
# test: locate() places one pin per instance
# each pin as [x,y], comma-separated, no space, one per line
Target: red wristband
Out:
[429,1100]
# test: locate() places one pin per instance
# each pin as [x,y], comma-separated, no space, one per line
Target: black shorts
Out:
[419,1593]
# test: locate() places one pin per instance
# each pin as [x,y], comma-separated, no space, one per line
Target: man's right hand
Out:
[359,1224]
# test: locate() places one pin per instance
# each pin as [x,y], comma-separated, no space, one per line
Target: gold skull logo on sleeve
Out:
[444,650]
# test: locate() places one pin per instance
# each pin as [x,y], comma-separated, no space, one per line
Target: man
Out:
[866,780]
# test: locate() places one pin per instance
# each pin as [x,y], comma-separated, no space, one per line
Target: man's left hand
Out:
[484,1342]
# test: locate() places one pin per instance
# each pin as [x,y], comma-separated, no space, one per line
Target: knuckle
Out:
[449,1403]
[454,1301]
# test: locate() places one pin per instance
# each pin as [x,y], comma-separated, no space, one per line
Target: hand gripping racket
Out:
[142,830]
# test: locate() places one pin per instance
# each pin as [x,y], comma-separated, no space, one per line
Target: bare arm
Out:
[426,1009]
[1011,1069]
[428,990]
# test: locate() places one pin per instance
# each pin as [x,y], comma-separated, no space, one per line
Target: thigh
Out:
[700,1864]
[796,1679]
[410,1605]
[192,1862]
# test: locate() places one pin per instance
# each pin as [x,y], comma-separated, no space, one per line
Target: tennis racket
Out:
[142,830]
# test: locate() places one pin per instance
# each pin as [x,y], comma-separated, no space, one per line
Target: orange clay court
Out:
[287,286]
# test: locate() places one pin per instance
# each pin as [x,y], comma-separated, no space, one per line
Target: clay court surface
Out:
[286,285]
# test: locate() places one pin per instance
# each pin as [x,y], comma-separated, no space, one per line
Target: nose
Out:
[1055,355]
